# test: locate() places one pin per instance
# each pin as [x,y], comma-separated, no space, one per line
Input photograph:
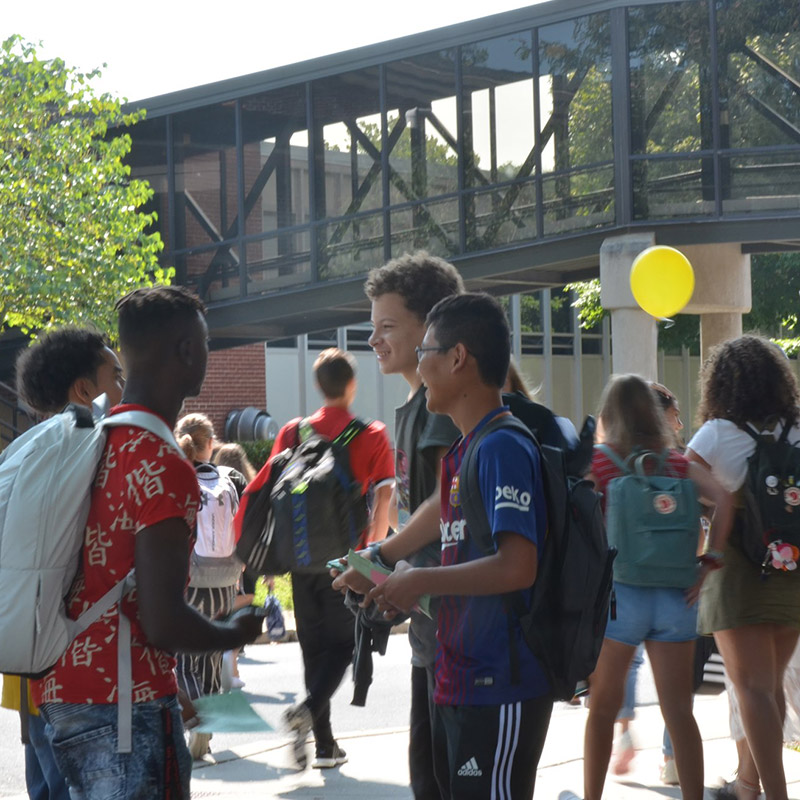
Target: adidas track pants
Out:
[492,751]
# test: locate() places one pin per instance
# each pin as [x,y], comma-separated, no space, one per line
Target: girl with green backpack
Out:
[650,499]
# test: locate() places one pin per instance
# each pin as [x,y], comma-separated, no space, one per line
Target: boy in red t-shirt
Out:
[325,627]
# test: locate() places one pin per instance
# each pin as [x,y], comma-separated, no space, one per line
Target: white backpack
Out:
[218,505]
[46,478]
[214,563]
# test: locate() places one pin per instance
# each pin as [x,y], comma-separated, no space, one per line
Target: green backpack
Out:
[653,520]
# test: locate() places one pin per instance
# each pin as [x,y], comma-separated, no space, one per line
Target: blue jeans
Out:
[647,613]
[84,740]
[42,776]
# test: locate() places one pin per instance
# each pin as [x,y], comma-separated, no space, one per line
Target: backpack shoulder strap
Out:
[352,429]
[641,459]
[748,429]
[303,431]
[469,482]
[149,422]
[613,458]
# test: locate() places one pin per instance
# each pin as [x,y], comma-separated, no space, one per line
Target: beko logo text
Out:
[511,497]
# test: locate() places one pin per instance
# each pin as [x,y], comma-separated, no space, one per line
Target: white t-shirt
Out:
[726,448]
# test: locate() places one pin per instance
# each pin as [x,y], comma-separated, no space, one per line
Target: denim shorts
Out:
[650,613]
[84,739]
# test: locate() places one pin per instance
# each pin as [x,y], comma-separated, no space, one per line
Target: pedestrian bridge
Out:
[512,145]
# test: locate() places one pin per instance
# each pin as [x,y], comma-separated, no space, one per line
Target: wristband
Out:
[375,553]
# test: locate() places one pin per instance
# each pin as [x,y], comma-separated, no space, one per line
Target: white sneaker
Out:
[669,773]
[298,720]
[624,754]
[567,795]
[226,674]
[199,744]
[328,757]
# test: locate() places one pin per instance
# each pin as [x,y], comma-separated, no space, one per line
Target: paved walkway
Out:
[377,768]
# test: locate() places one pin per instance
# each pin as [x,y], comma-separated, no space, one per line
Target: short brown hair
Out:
[333,371]
[422,280]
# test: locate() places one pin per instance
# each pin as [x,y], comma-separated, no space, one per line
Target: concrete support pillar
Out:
[634,343]
[718,328]
[722,291]
[634,336]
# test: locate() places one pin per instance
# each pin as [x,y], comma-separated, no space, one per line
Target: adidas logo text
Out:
[470,770]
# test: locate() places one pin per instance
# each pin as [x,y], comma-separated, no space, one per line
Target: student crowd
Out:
[480,698]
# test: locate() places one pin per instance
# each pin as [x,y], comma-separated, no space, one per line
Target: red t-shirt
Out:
[371,457]
[142,481]
[605,470]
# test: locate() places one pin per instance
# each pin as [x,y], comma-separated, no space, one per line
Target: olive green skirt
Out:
[738,595]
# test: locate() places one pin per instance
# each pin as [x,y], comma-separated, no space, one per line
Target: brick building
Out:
[235,379]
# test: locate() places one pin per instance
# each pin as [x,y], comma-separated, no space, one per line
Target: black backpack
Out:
[308,511]
[770,521]
[544,425]
[566,621]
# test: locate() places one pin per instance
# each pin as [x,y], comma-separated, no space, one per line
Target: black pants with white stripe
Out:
[492,751]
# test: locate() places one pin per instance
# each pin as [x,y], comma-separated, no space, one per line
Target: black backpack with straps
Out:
[318,510]
[566,619]
[769,528]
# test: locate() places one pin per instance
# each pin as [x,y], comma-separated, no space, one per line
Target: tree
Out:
[71,238]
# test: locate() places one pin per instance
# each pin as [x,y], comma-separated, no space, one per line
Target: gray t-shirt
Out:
[418,436]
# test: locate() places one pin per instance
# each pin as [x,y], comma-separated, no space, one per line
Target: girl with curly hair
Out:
[755,622]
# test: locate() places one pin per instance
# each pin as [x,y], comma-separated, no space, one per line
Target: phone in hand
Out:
[339,564]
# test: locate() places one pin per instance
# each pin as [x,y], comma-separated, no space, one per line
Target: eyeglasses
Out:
[421,350]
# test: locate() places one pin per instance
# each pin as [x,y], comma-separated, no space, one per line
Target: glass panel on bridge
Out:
[422,129]
[148,162]
[353,245]
[763,183]
[664,188]
[267,273]
[575,135]
[670,92]
[759,73]
[276,192]
[206,199]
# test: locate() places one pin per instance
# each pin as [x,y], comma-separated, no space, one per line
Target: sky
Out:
[150,48]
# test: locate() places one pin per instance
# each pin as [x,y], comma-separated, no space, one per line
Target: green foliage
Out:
[587,301]
[436,151]
[257,452]
[71,238]
[776,293]
[283,591]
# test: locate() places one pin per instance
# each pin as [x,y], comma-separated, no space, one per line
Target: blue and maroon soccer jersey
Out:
[473,664]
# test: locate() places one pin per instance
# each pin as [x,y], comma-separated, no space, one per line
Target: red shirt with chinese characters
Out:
[141,481]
